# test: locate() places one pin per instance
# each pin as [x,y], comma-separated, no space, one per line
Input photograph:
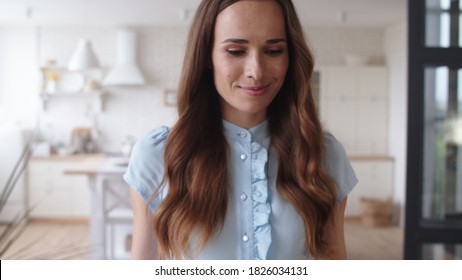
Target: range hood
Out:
[126,71]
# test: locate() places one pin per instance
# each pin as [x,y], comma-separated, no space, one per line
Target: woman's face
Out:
[250,59]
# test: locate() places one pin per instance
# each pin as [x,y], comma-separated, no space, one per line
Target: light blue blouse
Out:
[259,223]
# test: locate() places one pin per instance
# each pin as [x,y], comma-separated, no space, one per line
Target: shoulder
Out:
[148,151]
[333,147]
[146,167]
[338,166]
[153,140]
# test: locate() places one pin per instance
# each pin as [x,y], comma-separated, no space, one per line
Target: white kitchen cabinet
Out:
[375,175]
[354,106]
[52,194]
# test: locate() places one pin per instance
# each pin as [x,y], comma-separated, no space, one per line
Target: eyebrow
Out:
[244,41]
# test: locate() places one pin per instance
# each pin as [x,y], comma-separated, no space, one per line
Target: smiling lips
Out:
[254,91]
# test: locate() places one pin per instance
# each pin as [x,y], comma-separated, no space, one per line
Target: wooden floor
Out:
[373,243]
[47,240]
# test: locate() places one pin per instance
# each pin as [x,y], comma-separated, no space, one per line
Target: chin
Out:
[254,108]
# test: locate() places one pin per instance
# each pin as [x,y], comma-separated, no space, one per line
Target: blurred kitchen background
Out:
[81,80]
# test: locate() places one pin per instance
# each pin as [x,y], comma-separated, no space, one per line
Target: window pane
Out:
[442,192]
[443,23]
[444,4]
[460,29]
[440,251]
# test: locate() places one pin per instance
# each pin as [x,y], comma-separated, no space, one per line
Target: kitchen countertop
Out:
[76,157]
[94,166]
[89,164]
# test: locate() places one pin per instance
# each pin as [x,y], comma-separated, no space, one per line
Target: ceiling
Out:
[179,12]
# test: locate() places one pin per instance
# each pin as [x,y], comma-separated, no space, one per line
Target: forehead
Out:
[254,18]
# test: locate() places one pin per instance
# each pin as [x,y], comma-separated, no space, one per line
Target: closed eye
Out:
[274,52]
[235,52]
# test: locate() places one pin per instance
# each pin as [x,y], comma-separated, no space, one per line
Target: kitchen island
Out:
[111,213]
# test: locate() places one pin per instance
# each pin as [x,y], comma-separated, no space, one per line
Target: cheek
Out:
[280,72]
[225,72]
[282,68]
[221,77]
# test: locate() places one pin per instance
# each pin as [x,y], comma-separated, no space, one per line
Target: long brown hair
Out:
[196,152]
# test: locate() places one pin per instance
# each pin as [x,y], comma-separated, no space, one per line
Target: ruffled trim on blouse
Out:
[261,205]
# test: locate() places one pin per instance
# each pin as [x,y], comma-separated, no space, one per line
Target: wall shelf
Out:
[58,82]
[97,96]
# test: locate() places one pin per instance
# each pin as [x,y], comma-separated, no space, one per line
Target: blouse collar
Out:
[256,133]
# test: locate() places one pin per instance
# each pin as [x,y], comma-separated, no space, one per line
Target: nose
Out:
[254,67]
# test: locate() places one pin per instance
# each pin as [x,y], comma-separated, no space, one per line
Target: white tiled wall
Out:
[161,54]
[330,45]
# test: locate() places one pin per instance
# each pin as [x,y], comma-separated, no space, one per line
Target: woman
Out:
[247,171]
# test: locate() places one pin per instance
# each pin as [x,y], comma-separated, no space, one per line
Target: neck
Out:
[244,120]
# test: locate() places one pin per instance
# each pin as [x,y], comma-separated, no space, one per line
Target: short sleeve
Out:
[339,167]
[146,166]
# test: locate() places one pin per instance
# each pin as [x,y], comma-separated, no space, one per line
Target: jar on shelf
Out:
[51,77]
